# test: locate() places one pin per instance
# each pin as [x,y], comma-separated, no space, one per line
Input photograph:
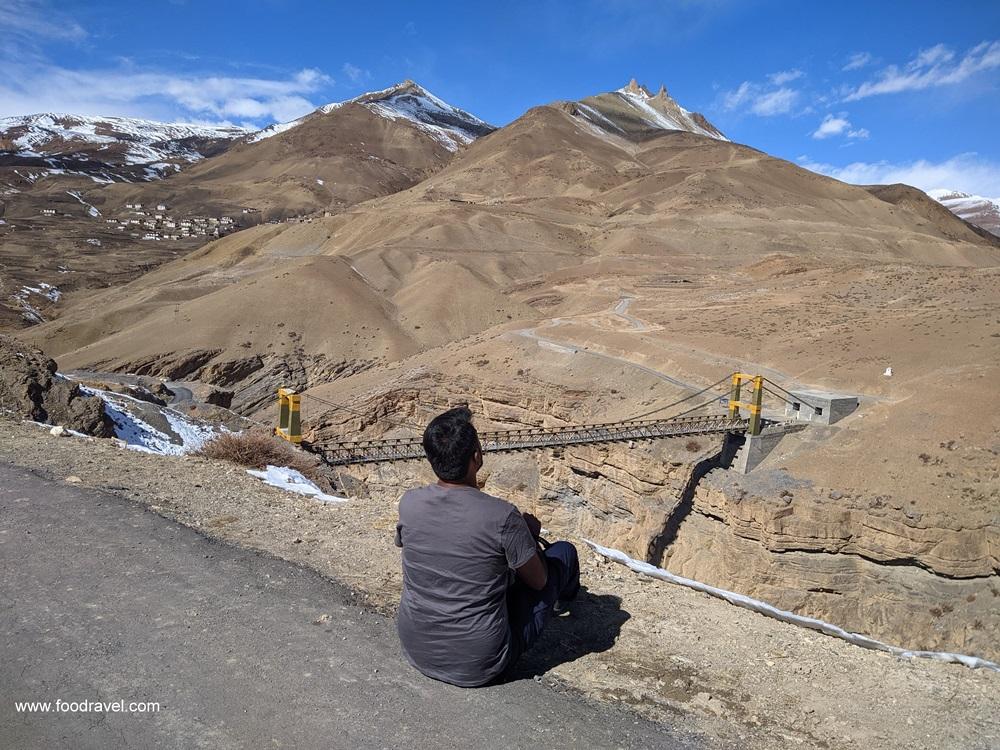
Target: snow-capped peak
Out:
[450,126]
[637,89]
[975,209]
[35,133]
[632,109]
[65,141]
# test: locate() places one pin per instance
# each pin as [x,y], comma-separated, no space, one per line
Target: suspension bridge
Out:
[640,427]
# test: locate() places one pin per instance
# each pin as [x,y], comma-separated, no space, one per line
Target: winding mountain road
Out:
[619,310]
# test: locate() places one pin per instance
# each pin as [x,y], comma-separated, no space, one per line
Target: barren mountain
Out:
[559,270]
[975,209]
[52,169]
[339,155]
[538,203]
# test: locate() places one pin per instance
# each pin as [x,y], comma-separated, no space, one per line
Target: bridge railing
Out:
[521,438]
[401,449]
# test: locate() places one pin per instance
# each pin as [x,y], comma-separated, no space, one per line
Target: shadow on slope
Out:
[589,624]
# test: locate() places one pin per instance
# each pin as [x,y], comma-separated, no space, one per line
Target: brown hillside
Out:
[919,202]
[541,195]
[329,161]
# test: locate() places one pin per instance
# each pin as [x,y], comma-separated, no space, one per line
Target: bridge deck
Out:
[533,438]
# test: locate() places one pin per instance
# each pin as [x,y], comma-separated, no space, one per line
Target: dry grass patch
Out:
[256,449]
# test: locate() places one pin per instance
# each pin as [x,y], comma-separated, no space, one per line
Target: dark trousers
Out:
[528,610]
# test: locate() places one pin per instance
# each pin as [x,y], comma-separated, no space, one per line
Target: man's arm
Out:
[521,543]
[534,573]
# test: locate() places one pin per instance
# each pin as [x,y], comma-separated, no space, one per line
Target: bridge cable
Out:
[693,408]
[681,401]
[788,401]
[363,414]
[778,396]
[797,400]
[408,425]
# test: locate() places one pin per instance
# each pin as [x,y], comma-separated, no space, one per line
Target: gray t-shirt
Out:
[459,546]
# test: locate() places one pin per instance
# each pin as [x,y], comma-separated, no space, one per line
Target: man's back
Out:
[459,546]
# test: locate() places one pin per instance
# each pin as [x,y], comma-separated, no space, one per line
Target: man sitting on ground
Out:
[477,591]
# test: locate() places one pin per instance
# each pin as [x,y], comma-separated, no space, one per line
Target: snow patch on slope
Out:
[632,111]
[640,101]
[120,140]
[278,127]
[22,297]
[132,421]
[293,481]
[593,114]
[954,198]
[90,209]
[448,125]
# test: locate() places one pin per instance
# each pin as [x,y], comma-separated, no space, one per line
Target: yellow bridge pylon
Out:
[289,416]
[753,405]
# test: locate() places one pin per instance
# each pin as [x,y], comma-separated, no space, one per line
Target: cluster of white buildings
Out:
[155,223]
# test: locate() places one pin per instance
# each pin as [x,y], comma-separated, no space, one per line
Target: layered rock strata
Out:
[921,582]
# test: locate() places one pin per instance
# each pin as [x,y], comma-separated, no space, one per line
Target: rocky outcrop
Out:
[31,389]
[783,517]
[254,381]
[173,365]
[899,604]
[246,383]
[867,565]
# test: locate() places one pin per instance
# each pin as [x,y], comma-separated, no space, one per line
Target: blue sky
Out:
[865,91]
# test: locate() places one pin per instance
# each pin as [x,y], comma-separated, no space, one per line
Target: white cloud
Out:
[933,56]
[355,74]
[736,98]
[785,76]
[838,125]
[32,83]
[778,102]
[831,126]
[936,66]
[35,18]
[966,172]
[857,61]
[759,100]
[157,95]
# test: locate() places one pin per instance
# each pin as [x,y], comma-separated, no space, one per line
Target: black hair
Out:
[450,441]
